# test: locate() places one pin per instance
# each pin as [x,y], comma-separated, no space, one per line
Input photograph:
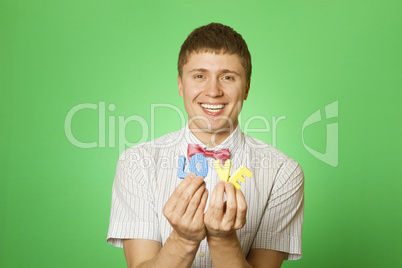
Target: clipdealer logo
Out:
[115,128]
[112,128]
[330,156]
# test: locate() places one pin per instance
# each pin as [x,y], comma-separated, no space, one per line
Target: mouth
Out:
[212,109]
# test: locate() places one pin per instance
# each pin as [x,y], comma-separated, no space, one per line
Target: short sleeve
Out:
[132,213]
[282,221]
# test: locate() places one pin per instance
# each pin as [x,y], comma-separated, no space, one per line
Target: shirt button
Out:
[202,254]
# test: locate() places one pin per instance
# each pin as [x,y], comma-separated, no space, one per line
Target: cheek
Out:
[190,101]
[192,94]
[238,95]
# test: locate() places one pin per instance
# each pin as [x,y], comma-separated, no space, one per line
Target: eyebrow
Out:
[225,71]
[198,70]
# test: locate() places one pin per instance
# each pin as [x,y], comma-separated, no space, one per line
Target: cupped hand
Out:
[185,208]
[223,218]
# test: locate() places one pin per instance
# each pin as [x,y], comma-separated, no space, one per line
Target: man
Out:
[162,220]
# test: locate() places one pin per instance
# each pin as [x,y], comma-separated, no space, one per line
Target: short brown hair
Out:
[216,38]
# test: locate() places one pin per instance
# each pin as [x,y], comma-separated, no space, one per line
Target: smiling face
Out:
[213,87]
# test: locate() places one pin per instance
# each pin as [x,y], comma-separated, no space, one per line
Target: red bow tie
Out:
[222,154]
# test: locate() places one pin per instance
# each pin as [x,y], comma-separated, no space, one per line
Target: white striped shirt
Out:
[146,176]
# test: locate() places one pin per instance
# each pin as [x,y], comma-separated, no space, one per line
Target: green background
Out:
[55,197]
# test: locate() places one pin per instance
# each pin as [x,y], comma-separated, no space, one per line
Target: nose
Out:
[213,89]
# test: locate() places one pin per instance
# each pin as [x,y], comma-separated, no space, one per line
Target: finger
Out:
[215,207]
[175,197]
[231,205]
[194,202]
[199,214]
[186,196]
[241,210]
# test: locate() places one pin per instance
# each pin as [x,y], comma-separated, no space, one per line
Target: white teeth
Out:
[212,108]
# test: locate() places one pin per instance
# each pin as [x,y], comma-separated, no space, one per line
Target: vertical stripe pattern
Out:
[146,176]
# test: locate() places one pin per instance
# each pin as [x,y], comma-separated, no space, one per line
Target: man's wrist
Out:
[226,251]
[186,245]
[230,239]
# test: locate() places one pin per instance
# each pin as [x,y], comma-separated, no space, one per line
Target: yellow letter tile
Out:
[223,173]
[238,176]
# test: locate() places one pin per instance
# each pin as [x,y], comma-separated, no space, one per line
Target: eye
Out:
[227,77]
[199,76]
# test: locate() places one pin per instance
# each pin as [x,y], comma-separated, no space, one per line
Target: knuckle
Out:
[217,209]
[177,193]
[193,202]
[213,206]
[242,208]
[165,211]
[231,207]
[174,221]
[185,197]
[242,225]
[227,228]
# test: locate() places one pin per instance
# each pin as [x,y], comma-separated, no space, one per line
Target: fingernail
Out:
[201,178]
[192,175]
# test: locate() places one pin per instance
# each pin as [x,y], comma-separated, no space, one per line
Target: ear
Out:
[180,85]
[247,90]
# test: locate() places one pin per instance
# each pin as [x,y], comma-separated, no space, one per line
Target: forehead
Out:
[213,62]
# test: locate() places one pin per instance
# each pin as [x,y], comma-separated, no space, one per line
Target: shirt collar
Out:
[235,141]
